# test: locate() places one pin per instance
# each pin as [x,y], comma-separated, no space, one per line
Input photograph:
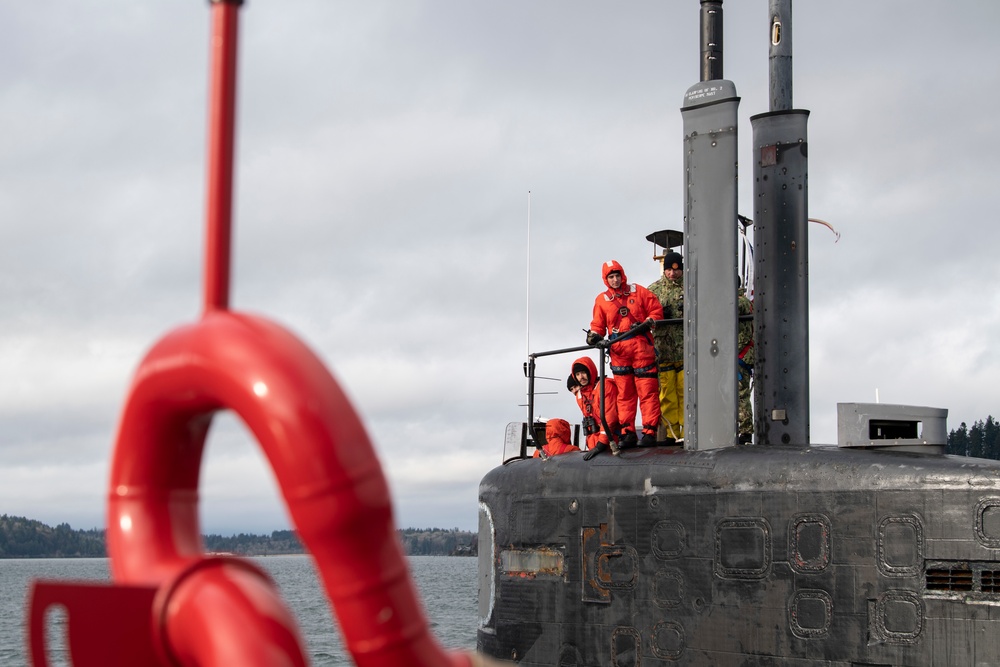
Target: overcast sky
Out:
[386,151]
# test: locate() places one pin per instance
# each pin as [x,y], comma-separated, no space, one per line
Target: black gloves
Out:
[593,338]
[591,453]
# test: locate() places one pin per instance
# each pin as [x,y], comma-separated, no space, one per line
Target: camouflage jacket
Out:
[744,335]
[669,338]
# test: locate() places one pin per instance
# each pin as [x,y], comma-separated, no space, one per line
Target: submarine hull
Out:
[741,556]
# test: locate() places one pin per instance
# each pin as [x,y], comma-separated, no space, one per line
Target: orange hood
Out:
[611,266]
[591,369]
[557,430]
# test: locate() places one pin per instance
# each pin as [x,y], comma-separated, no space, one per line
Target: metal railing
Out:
[528,440]
[529,369]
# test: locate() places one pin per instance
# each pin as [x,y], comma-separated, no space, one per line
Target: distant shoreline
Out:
[26,538]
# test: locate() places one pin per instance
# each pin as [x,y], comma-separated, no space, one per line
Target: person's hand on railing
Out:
[640,328]
[594,451]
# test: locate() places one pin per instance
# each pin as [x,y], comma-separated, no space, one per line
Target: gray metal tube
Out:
[710,157]
[780,55]
[781,280]
[711,40]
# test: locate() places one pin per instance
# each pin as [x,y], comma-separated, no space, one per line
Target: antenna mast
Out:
[527,285]
[781,275]
[710,156]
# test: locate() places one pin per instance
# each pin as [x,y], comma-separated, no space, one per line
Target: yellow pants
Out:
[671,405]
[746,407]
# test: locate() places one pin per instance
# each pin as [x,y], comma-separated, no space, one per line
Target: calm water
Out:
[447,586]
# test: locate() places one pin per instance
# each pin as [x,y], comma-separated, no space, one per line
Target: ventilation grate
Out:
[954,579]
[991,581]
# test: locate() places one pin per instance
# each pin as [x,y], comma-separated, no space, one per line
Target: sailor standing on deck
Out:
[633,361]
[588,397]
[669,339]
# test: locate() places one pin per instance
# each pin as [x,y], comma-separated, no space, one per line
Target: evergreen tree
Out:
[991,438]
[958,441]
[982,440]
[976,448]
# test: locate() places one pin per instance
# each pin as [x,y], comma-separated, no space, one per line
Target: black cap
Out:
[571,382]
[673,260]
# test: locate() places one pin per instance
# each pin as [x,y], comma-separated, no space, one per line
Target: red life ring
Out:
[329,476]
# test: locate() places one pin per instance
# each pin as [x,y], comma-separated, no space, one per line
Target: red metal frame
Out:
[222,124]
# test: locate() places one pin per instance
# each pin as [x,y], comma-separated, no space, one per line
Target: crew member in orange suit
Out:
[557,439]
[588,397]
[633,361]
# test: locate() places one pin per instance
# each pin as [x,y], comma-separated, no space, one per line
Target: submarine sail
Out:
[874,550]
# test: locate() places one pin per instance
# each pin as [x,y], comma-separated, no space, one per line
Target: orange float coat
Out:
[633,361]
[589,400]
[557,439]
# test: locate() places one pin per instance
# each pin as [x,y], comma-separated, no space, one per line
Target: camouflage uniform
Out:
[744,347]
[669,342]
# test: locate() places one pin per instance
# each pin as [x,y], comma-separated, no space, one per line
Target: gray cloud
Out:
[385,155]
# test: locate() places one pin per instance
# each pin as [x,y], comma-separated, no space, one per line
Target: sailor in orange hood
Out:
[588,397]
[633,361]
[557,439]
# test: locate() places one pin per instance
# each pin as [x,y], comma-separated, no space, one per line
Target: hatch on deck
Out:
[906,428]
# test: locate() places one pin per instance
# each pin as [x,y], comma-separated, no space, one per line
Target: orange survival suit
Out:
[589,400]
[633,361]
[557,439]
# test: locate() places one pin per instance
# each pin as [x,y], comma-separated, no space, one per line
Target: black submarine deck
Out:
[742,555]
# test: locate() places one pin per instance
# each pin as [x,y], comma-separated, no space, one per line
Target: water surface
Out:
[447,586]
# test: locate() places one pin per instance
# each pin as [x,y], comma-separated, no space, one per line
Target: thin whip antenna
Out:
[527,285]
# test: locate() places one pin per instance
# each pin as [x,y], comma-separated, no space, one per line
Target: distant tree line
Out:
[439,542]
[278,542]
[27,538]
[982,440]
